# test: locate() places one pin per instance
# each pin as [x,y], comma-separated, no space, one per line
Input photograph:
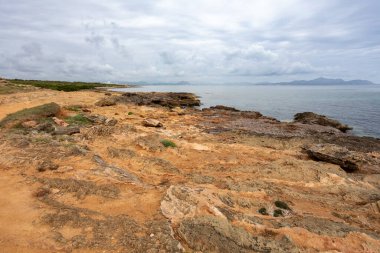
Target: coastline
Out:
[354,105]
[153,172]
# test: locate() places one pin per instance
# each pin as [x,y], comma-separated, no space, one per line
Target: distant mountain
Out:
[325,81]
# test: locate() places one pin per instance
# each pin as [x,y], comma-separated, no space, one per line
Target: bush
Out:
[62,86]
[168,143]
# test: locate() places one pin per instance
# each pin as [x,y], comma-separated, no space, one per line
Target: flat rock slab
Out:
[164,99]
[350,161]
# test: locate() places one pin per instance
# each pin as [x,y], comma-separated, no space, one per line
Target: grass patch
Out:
[168,144]
[78,119]
[62,86]
[34,113]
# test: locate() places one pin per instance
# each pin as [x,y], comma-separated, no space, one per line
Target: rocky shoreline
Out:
[99,171]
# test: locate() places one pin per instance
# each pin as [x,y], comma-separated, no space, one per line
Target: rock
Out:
[42,192]
[178,110]
[99,119]
[165,99]
[67,130]
[225,108]
[46,127]
[311,118]
[110,122]
[182,202]
[29,124]
[152,123]
[47,165]
[211,234]
[60,122]
[116,172]
[121,153]
[350,161]
[63,169]
[95,131]
[108,101]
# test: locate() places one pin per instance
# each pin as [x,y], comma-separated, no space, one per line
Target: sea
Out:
[355,105]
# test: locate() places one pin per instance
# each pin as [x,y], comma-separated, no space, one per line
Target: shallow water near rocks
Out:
[355,105]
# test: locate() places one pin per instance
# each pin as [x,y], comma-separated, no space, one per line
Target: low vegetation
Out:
[78,119]
[74,108]
[168,143]
[35,113]
[61,85]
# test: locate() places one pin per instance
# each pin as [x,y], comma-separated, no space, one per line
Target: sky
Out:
[200,41]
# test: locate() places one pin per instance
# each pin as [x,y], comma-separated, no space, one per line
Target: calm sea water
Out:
[357,106]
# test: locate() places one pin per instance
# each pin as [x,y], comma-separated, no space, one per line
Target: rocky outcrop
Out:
[66,130]
[316,119]
[165,99]
[211,234]
[350,161]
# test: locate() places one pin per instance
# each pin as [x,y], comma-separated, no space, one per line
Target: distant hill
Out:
[325,81]
[159,83]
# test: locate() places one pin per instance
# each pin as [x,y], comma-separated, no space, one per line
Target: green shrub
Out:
[130,113]
[168,143]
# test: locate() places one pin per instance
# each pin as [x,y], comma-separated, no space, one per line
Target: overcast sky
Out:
[193,40]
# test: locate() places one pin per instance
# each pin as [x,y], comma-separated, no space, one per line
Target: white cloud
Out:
[219,40]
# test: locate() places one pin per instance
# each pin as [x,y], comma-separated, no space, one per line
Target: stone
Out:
[45,127]
[110,122]
[164,99]
[47,165]
[212,234]
[311,118]
[350,161]
[29,124]
[99,119]
[152,123]
[60,122]
[67,130]
[108,101]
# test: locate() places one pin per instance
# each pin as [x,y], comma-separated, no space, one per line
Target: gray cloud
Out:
[199,41]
